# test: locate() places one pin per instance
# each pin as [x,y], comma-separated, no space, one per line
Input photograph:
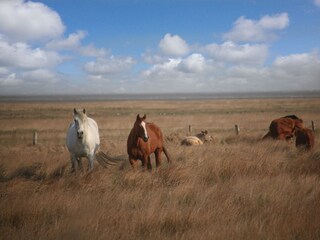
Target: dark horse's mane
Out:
[292,117]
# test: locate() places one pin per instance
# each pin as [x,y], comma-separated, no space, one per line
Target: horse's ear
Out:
[138,117]
[84,111]
[144,117]
[75,111]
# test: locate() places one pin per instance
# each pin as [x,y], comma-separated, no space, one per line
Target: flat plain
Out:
[235,187]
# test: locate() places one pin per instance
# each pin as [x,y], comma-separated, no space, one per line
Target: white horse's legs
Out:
[90,161]
[79,162]
[74,162]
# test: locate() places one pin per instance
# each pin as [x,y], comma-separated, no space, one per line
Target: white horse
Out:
[82,139]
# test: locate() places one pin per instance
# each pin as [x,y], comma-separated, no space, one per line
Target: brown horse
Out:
[144,139]
[304,138]
[284,128]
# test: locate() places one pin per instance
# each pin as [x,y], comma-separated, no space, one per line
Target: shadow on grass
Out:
[34,172]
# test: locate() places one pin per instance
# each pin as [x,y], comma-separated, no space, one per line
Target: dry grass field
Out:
[236,187]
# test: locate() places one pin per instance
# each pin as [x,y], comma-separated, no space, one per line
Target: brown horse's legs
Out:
[133,162]
[149,163]
[158,157]
[146,162]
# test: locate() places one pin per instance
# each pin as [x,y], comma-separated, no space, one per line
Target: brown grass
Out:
[233,188]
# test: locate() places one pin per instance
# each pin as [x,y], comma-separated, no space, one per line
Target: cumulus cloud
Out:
[173,45]
[9,80]
[73,43]
[162,69]
[231,52]
[300,69]
[263,30]
[168,77]
[40,76]
[29,21]
[199,73]
[192,64]
[112,65]
[32,44]
[152,58]
[21,55]
[91,51]
[195,63]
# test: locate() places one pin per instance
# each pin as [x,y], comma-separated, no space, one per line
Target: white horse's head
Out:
[80,119]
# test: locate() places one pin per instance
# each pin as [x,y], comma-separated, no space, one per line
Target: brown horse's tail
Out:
[167,154]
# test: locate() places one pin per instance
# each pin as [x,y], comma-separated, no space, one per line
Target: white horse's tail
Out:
[104,159]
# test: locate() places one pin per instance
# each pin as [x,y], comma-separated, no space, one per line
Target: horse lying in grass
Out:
[284,128]
[304,138]
[144,139]
[198,139]
[83,141]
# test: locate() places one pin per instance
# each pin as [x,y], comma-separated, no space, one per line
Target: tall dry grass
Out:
[233,188]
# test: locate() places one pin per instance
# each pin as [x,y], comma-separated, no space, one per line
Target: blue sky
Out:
[153,46]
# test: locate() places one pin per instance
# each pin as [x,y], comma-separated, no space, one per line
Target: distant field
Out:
[236,187]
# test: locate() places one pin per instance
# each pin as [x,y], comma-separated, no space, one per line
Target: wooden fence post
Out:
[237,129]
[35,137]
[313,126]
[190,129]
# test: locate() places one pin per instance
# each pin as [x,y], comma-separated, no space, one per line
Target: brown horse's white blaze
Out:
[144,139]
[143,124]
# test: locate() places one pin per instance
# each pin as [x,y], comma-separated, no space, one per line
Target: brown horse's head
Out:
[298,124]
[141,128]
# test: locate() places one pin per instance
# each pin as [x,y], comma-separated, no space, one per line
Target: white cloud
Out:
[21,55]
[299,69]
[195,63]
[4,71]
[162,69]
[71,42]
[9,80]
[29,21]
[230,52]
[112,65]
[274,22]
[33,44]
[91,51]
[196,73]
[152,58]
[173,45]
[40,76]
[264,30]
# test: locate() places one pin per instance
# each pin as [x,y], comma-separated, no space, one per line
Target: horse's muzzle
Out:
[80,135]
[145,139]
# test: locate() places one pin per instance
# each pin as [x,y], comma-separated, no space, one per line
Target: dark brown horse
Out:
[284,128]
[304,138]
[144,139]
